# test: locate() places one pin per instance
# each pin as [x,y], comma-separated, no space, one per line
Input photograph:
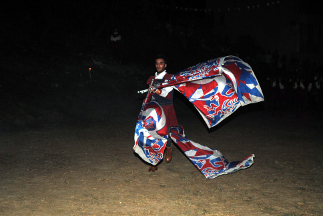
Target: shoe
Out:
[153,169]
[169,153]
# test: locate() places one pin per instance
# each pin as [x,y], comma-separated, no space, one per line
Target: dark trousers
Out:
[169,140]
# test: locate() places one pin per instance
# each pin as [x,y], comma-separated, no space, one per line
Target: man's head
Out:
[160,63]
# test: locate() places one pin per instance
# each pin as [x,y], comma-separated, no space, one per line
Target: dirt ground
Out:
[91,169]
[71,154]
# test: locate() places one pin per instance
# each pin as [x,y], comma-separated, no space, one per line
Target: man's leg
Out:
[153,168]
[169,152]
[169,147]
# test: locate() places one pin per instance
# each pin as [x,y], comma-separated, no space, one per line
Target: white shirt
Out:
[115,38]
[317,85]
[166,90]
[310,86]
[281,86]
[301,85]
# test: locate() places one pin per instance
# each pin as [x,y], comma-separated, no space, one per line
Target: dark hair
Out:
[161,56]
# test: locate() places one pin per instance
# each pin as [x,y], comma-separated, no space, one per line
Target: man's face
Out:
[160,65]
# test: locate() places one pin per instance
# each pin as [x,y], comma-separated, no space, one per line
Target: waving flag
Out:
[151,133]
[216,88]
[209,161]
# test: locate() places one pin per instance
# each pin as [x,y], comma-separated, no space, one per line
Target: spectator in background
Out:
[275,59]
[315,95]
[299,97]
[283,63]
[278,96]
[293,63]
[115,42]
[267,58]
[318,86]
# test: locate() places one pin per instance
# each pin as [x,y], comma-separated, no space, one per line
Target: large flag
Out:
[216,88]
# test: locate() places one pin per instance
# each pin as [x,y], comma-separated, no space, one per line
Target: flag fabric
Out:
[151,132]
[216,88]
[209,161]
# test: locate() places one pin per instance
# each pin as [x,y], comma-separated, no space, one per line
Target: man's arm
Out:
[165,91]
[162,92]
[153,89]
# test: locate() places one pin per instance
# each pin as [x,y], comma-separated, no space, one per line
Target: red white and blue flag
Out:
[216,88]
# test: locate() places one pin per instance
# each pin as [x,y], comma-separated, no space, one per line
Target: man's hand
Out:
[152,89]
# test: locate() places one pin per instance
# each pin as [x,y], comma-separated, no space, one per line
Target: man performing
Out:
[164,97]
[216,88]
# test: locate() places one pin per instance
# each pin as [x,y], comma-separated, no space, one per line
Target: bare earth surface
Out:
[90,168]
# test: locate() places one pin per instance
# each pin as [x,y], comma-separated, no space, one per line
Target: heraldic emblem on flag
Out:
[216,88]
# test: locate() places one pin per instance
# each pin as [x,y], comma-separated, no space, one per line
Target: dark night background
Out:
[66,137]
[47,48]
